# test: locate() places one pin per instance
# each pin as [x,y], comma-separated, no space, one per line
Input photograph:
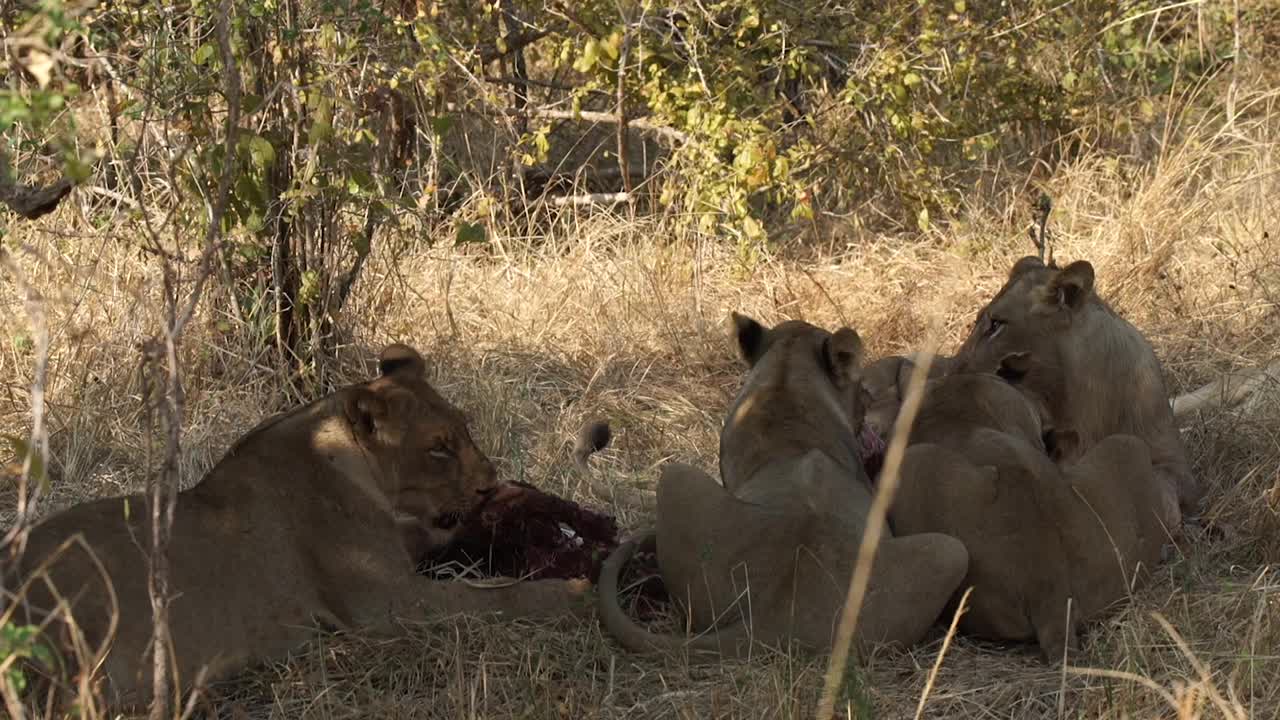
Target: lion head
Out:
[1021,330]
[431,468]
[804,388]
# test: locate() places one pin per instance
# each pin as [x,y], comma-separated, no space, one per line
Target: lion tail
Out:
[1228,390]
[592,438]
[732,641]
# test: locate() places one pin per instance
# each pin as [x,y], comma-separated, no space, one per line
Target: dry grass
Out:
[609,317]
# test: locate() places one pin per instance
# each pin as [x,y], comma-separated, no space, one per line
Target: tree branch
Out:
[669,134]
[163,491]
[624,154]
[591,199]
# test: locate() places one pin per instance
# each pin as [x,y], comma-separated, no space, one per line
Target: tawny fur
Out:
[1037,534]
[766,556]
[296,524]
[1094,372]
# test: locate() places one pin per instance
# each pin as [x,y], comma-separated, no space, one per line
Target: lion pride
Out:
[764,558]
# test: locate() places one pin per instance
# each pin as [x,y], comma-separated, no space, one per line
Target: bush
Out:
[441,117]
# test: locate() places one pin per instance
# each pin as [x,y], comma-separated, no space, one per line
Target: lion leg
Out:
[941,491]
[1056,632]
[1126,494]
[700,531]
[912,580]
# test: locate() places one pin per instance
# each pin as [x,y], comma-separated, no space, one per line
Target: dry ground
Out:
[605,316]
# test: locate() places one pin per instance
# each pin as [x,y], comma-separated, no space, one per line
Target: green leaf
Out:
[360,243]
[76,169]
[922,219]
[611,44]
[587,59]
[21,448]
[441,124]
[470,233]
[911,79]
[203,54]
[320,131]
[249,191]
[250,104]
[262,152]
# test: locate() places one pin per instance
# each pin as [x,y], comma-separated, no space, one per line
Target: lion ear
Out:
[397,359]
[1071,286]
[844,356]
[1014,366]
[1030,262]
[751,338]
[370,410]
[366,410]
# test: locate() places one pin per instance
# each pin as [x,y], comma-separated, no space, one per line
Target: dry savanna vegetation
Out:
[560,204]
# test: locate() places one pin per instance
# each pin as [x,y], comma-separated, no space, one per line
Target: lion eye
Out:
[994,327]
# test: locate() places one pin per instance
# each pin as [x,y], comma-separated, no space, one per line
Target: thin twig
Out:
[886,487]
[663,132]
[590,199]
[163,493]
[946,643]
[38,447]
[1040,236]
[624,154]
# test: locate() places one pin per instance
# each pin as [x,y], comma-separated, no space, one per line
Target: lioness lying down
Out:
[976,469]
[767,556]
[297,523]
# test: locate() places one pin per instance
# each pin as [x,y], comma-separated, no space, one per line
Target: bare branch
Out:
[348,280]
[669,134]
[163,352]
[624,155]
[213,235]
[591,199]
[38,447]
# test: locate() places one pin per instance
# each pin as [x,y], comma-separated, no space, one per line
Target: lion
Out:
[1094,372]
[765,558]
[1038,535]
[885,384]
[302,521]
